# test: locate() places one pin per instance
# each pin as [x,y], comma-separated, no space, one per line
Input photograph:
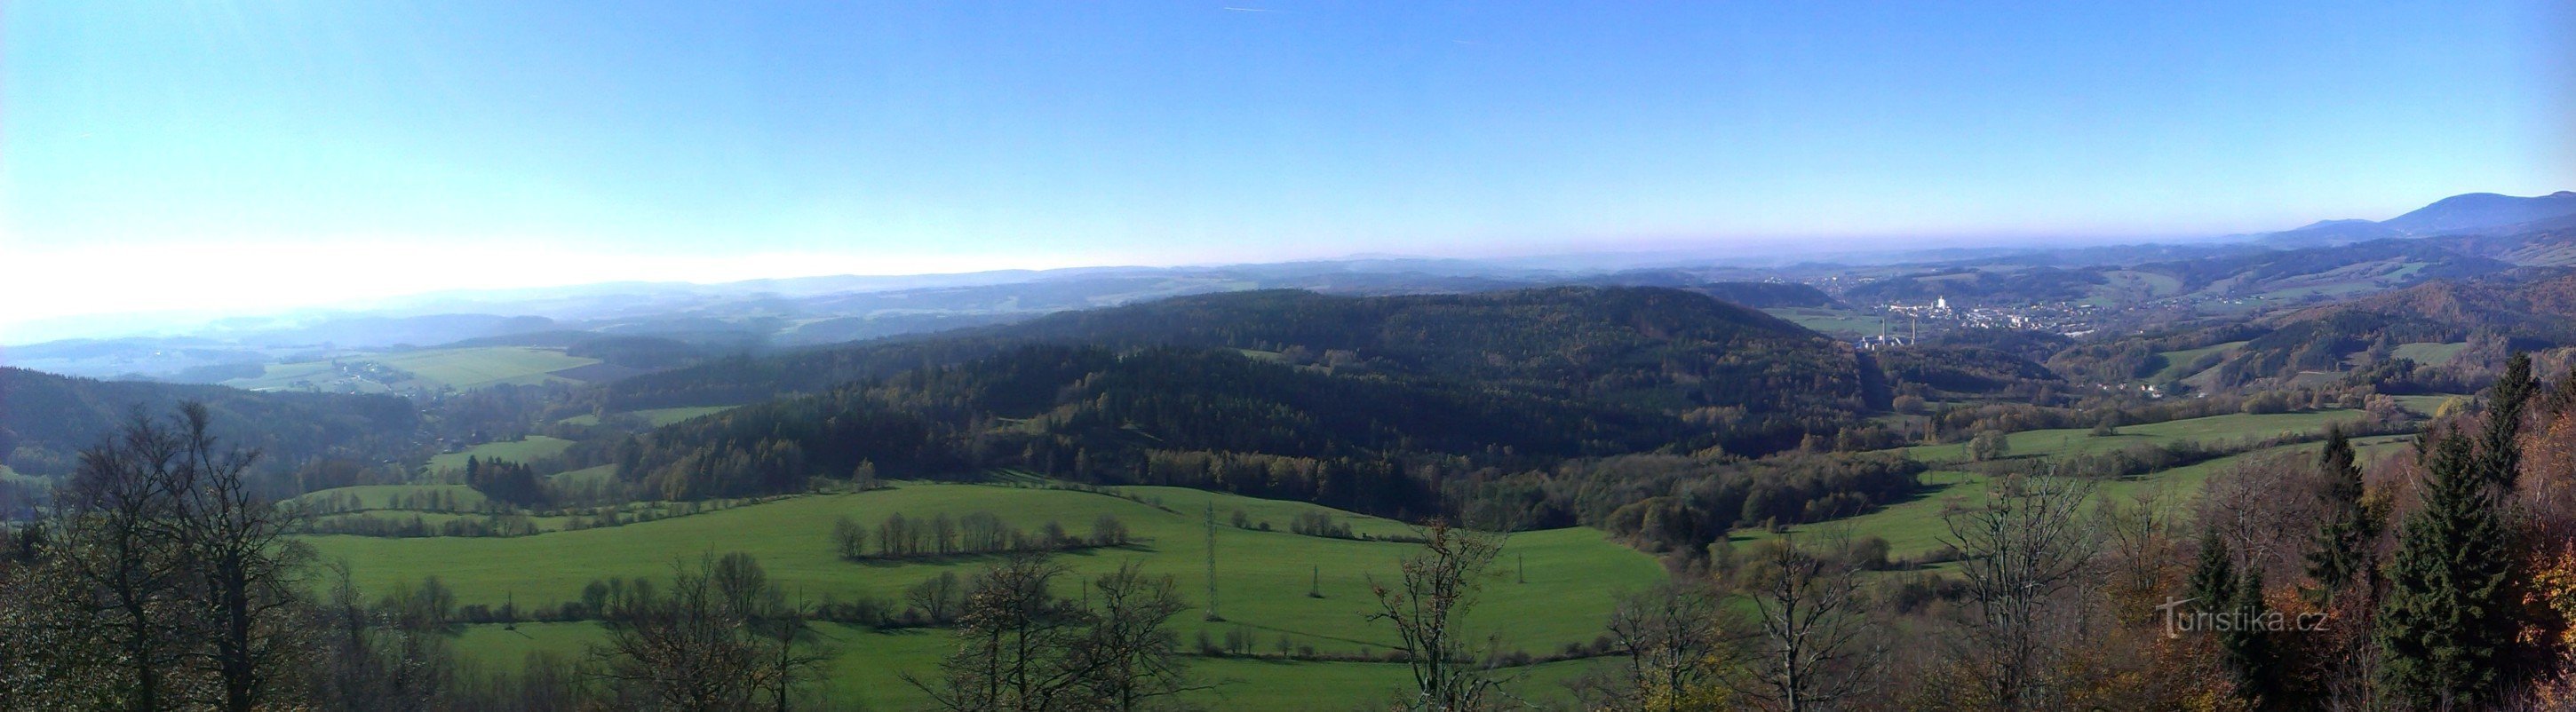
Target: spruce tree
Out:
[2345,531]
[2248,647]
[2499,460]
[2444,624]
[2213,580]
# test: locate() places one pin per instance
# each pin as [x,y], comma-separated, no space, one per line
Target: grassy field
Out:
[870,665]
[2123,286]
[1840,322]
[2428,353]
[586,474]
[1914,526]
[1551,588]
[2178,363]
[531,448]
[2216,428]
[461,369]
[2428,404]
[1263,577]
[658,417]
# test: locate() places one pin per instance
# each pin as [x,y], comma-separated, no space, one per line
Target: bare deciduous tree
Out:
[1009,628]
[1023,648]
[1675,644]
[118,526]
[1808,652]
[183,567]
[718,639]
[1436,589]
[246,567]
[2139,534]
[1130,657]
[2017,552]
[850,539]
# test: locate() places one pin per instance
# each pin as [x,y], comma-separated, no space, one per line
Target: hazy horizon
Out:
[239,157]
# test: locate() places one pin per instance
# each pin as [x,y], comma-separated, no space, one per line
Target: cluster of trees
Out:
[343,515]
[1681,504]
[1312,523]
[325,504]
[387,525]
[1932,370]
[976,533]
[508,482]
[1377,485]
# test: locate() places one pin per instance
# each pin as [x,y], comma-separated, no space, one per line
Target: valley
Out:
[1275,456]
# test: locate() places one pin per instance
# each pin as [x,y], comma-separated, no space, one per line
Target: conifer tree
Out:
[2345,530]
[2247,646]
[2213,580]
[2499,460]
[2445,624]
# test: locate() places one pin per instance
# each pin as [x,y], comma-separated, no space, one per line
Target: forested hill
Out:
[1661,349]
[46,419]
[2440,336]
[1211,418]
[2492,316]
[1353,401]
[2538,305]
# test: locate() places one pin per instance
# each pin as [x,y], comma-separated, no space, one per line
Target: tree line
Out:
[973,534]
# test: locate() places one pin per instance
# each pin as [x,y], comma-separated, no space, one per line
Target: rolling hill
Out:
[1654,348]
[46,419]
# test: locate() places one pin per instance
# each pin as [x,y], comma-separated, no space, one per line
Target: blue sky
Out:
[473,144]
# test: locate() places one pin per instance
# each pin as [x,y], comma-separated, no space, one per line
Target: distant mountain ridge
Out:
[2476,211]
[2466,213]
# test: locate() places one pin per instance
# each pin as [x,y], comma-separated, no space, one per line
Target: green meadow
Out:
[461,369]
[658,417]
[584,475]
[522,450]
[869,666]
[2429,353]
[1549,589]
[1914,526]
[1841,322]
[2213,429]
[2178,363]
